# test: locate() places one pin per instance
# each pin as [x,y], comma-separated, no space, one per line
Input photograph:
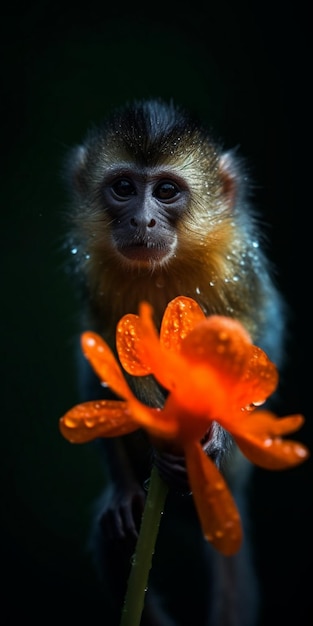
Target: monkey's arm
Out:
[123,499]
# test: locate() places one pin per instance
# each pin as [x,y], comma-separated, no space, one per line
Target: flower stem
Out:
[138,578]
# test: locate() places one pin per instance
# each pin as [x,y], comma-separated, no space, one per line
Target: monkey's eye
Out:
[123,188]
[166,191]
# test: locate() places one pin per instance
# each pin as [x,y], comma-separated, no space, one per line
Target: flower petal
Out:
[155,421]
[181,315]
[166,366]
[104,363]
[260,378]
[242,371]
[130,346]
[259,438]
[220,341]
[216,507]
[107,368]
[100,418]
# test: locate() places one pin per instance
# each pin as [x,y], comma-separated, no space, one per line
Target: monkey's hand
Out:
[120,507]
[120,511]
[171,464]
[114,534]
[172,468]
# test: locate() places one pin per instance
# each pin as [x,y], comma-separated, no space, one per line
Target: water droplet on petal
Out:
[89,422]
[229,524]
[300,451]
[70,423]
[219,486]
[268,442]
[223,335]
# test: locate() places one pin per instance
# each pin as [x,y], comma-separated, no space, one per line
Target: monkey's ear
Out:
[76,168]
[231,176]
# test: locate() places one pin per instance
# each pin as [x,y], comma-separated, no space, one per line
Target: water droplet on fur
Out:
[159,283]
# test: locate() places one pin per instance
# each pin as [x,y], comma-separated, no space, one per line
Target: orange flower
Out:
[212,371]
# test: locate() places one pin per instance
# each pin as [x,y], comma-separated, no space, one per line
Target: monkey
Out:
[159,208]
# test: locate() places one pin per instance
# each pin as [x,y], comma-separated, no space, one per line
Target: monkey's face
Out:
[147,189]
[144,207]
[154,214]
[142,217]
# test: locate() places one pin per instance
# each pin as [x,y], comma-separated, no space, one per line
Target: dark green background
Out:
[244,68]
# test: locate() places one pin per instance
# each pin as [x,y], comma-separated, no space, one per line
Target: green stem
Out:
[138,578]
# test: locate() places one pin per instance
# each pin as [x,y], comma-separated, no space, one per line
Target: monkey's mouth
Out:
[145,252]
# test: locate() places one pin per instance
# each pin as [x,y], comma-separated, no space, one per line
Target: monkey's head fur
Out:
[158,209]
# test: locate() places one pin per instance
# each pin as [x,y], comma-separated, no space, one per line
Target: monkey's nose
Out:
[143,222]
